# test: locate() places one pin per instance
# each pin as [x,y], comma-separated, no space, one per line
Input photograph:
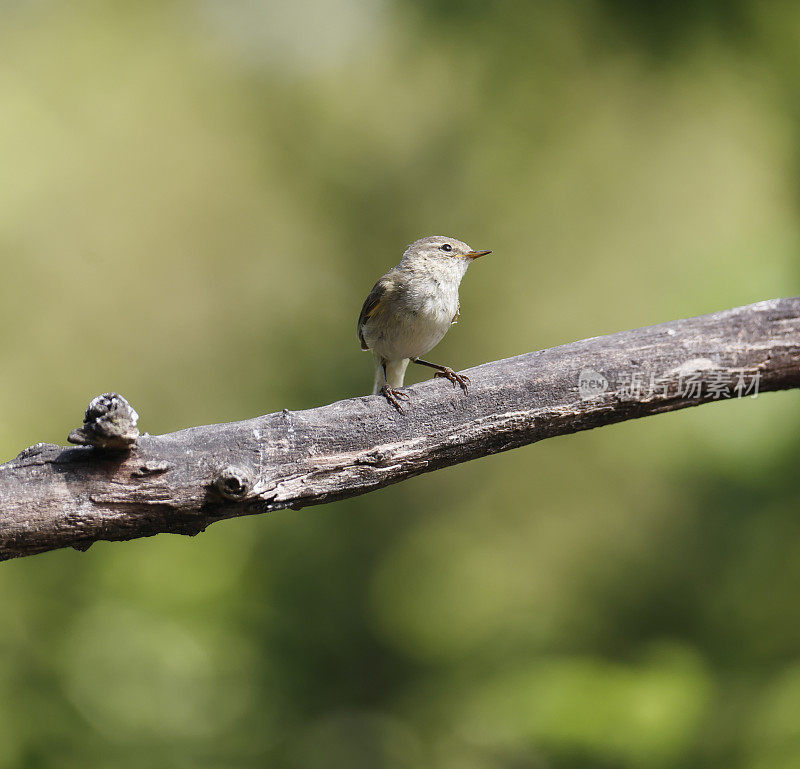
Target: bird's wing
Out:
[372,303]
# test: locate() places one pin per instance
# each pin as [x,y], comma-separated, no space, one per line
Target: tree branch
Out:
[53,497]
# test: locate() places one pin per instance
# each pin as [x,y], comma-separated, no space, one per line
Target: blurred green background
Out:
[197,196]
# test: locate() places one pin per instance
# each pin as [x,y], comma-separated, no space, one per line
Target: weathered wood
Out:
[53,497]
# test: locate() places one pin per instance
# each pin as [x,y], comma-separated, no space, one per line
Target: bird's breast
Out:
[424,319]
[413,319]
[434,304]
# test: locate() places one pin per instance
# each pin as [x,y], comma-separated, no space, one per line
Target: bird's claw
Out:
[457,379]
[394,396]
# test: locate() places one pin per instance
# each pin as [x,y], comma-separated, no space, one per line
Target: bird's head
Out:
[441,249]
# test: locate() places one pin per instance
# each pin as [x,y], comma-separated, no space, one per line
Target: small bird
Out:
[410,309]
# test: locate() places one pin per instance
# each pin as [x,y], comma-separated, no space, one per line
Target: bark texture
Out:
[53,497]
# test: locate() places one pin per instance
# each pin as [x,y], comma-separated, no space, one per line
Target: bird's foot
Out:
[457,379]
[394,396]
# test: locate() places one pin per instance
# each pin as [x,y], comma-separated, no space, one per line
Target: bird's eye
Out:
[446,247]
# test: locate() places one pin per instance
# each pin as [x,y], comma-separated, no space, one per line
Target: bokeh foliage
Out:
[198,195]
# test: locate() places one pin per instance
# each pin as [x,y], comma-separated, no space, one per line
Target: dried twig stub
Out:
[110,423]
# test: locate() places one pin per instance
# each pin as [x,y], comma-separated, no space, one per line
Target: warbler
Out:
[411,308]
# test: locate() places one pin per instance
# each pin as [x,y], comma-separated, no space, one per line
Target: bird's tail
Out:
[395,373]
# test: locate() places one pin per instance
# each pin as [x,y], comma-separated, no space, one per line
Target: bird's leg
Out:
[391,394]
[447,373]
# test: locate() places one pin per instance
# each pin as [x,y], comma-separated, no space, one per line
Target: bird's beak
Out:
[476,254]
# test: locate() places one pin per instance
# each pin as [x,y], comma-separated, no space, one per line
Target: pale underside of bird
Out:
[411,308]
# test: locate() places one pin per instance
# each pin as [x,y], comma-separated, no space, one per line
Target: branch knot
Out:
[234,483]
